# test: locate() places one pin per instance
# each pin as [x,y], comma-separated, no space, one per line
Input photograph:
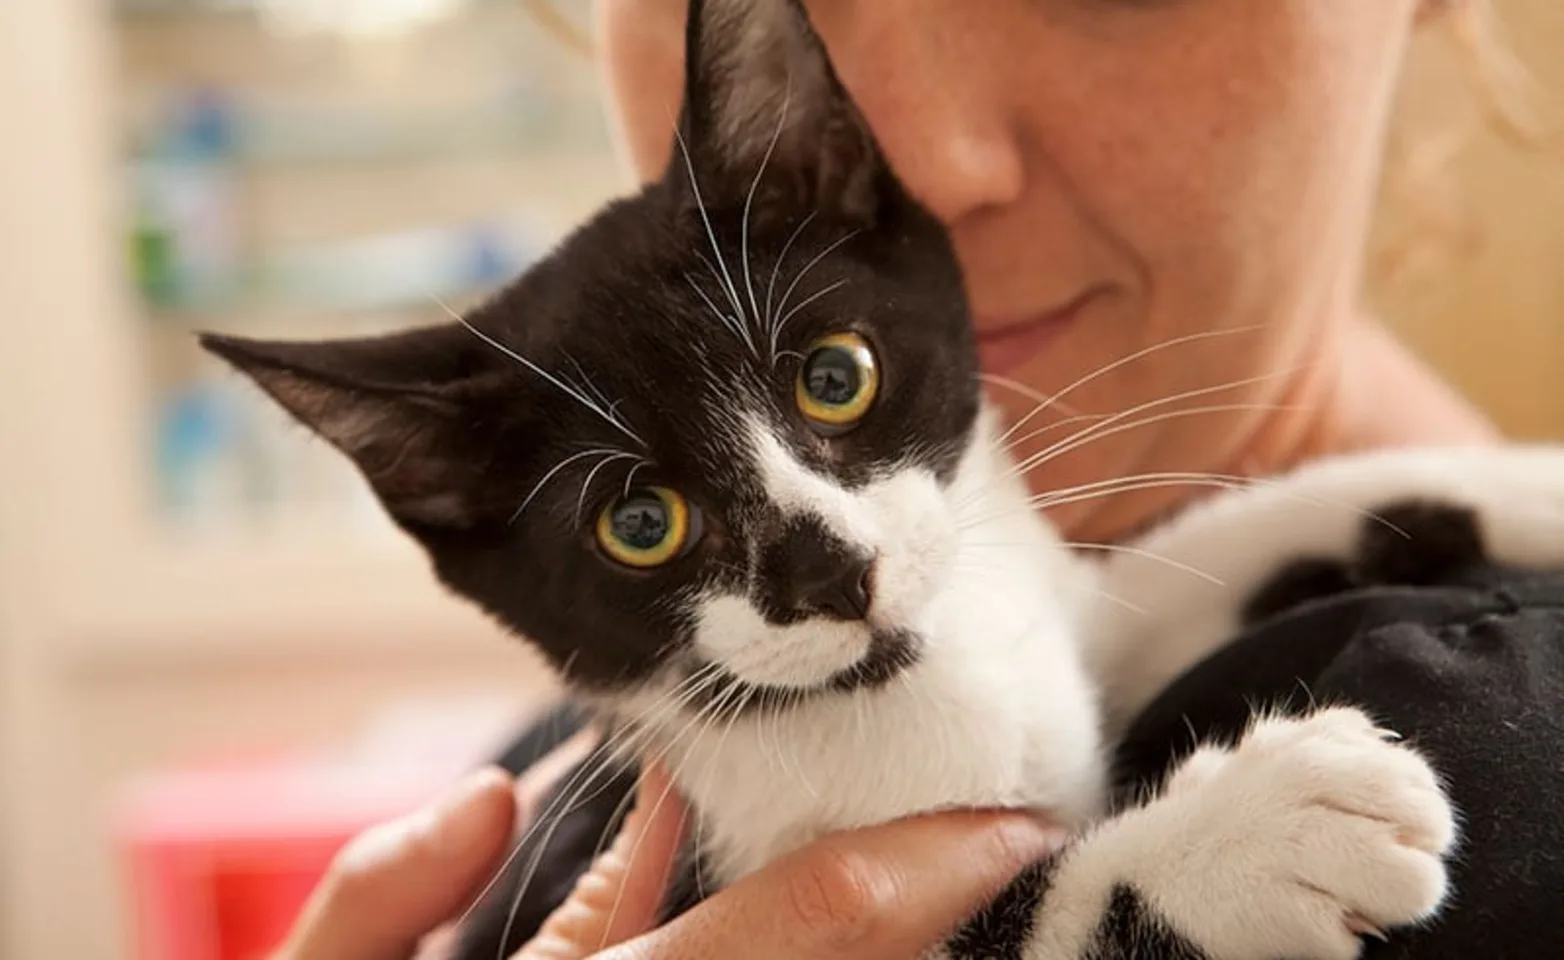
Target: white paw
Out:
[1197,769]
[1307,833]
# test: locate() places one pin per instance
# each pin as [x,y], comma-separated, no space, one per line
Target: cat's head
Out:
[716,428]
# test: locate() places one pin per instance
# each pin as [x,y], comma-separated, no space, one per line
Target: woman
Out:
[1116,175]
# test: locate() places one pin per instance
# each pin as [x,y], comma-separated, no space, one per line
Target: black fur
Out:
[1408,543]
[1297,583]
[550,860]
[1416,543]
[456,435]
[626,359]
[1470,669]
[1000,930]
[807,571]
[1130,930]
[476,438]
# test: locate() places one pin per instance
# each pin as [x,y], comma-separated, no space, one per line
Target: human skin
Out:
[882,892]
[1119,174]
[1173,169]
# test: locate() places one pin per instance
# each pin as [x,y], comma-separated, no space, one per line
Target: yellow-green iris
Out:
[645,528]
[837,382]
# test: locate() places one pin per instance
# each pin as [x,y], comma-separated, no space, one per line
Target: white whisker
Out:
[586,381]
[1108,428]
[550,475]
[806,302]
[711,234]
[1036,396]
[630,475]
[623,741]
[575,394]
[782,304]
[1098,488]
[1051,427]
[750,199]
[586,484]
[1117,364]
[734,325]
[777,267]
[1148,555]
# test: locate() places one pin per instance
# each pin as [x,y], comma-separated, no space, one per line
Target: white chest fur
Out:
[998,710]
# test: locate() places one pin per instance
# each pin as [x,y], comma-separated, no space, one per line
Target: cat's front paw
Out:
[1309,833]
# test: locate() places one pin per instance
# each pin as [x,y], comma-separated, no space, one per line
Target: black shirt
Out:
[1467,665]
[1470,670]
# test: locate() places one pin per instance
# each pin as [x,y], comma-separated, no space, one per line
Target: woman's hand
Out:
[887,891]
[396,885]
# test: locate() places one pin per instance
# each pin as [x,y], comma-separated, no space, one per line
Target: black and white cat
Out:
[723,458]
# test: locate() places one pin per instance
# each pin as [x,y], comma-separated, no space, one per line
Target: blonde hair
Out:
[1509,94]
[546,15]
[1425,223]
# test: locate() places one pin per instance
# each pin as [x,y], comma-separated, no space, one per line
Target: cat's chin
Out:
[890,654]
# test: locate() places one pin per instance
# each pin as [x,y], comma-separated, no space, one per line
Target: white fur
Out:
[1309,831]
[1171,620]
[903,520]
[997,711]
[1306,831]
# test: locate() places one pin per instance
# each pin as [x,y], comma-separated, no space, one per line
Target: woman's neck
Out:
[1363,390]
[1375,393]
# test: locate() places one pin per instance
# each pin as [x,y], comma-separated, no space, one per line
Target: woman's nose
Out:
[929,77]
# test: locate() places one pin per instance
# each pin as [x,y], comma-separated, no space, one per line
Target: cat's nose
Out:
[841,590]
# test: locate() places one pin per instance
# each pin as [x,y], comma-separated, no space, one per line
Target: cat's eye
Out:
[837,382]
[647,527]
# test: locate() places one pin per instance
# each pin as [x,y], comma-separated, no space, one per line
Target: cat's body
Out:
[723,459]
[997,710]
[1022,690]
[961,731]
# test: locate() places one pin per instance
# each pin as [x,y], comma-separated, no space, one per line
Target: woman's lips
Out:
[1004,343]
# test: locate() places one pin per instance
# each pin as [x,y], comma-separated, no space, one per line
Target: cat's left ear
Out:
[415,412]
[760,92]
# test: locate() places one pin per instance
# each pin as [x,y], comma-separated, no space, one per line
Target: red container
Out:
[222,856]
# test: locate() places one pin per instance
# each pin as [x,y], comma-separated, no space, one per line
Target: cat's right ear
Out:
[416,411]
[760,96]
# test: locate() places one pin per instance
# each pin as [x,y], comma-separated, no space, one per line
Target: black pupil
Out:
[640,521]
[831,376]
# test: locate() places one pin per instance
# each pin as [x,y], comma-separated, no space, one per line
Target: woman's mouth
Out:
[1004,343]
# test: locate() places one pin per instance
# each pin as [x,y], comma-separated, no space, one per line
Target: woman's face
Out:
[1116,174]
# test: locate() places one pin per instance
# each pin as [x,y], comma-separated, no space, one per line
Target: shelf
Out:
[294,596]
[406,271]
[310,134]
[154,10]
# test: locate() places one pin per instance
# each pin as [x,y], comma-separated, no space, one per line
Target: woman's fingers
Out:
[394,883]
[622,895]
[532,787]
[889,891]
[534,783]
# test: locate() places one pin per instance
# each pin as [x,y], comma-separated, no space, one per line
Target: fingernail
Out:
[447,821]
[1031,838]
[473,786]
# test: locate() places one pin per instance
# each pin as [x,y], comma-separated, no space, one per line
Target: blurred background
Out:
[216,659]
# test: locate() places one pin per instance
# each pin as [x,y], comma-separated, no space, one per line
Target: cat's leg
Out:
[1308,833]
[1396,517]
